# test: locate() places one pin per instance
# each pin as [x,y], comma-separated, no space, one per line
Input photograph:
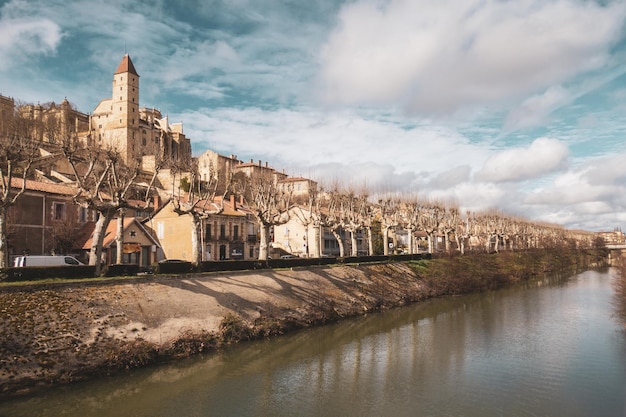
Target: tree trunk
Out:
[340,243]
[317,252]
[353,243]
[196,243]
[95,254]
[385,232]
[264,234]
[431,245]
[119,238]
[370,242]
[410,239]
[4,254]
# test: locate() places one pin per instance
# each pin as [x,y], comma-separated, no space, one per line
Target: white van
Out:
[45,260]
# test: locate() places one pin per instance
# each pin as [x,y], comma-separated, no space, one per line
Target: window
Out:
[207,232]
[235,232]
[83,215]
[223,231]
[160,230]
[58,211]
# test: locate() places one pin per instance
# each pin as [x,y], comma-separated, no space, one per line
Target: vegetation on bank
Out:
[619,285]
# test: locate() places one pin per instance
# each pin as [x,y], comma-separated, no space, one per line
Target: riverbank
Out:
[56,333]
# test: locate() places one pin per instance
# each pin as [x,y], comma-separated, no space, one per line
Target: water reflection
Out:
[548,348]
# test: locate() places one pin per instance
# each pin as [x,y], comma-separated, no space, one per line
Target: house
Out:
[300,188]
[232,234]
[139,246]
[298,236]
[44,219]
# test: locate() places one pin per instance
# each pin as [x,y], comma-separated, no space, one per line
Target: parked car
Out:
[45,260]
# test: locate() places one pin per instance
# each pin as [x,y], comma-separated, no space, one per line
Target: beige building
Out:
[228,235]
[300,188]
[120,122]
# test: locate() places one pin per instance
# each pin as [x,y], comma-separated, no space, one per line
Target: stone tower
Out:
[123,126]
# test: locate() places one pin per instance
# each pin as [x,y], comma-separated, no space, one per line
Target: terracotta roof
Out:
[229,210]
[111,232]
[295,179]
[44,187]
[126,65]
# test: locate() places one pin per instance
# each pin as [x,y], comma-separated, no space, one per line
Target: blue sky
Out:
[517,105]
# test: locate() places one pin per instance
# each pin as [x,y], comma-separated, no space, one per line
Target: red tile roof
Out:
[44,187]
[126,65]
[111,232]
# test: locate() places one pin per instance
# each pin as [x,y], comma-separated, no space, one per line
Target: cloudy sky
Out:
[518,105]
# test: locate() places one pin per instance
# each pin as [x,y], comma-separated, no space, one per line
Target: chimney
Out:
[259,162]
[232,201]
[156,201]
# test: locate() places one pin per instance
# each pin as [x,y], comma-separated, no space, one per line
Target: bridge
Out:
[616,250]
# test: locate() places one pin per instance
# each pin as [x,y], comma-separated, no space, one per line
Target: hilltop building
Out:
[117,122]
[120,122]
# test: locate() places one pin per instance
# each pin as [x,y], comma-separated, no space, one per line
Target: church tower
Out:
[124,122]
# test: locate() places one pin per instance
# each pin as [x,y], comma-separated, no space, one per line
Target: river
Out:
[546,348]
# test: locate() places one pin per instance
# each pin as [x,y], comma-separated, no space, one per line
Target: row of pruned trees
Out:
[438,225]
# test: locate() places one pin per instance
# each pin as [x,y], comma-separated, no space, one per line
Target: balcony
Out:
[251,239]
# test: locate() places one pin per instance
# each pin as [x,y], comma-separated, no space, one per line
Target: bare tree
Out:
[105,184]
[411,211]
[353,209]
[390,217]
[333,216]
[63,232]
[431,221]
[268,202]
[199,202]
[449,225]
[18,150]
[310,215]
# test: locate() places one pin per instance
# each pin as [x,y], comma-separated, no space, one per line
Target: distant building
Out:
[616,237]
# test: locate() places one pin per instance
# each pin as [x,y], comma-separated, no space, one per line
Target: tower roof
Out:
[126,65]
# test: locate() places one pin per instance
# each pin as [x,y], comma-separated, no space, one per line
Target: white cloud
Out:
[534,111]
[438,56]
[24,37]
[543,156]
[306,137]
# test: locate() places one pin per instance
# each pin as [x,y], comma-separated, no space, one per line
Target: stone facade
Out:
[228,235]
[119,122]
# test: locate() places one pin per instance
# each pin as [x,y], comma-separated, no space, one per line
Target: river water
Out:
[547,348]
